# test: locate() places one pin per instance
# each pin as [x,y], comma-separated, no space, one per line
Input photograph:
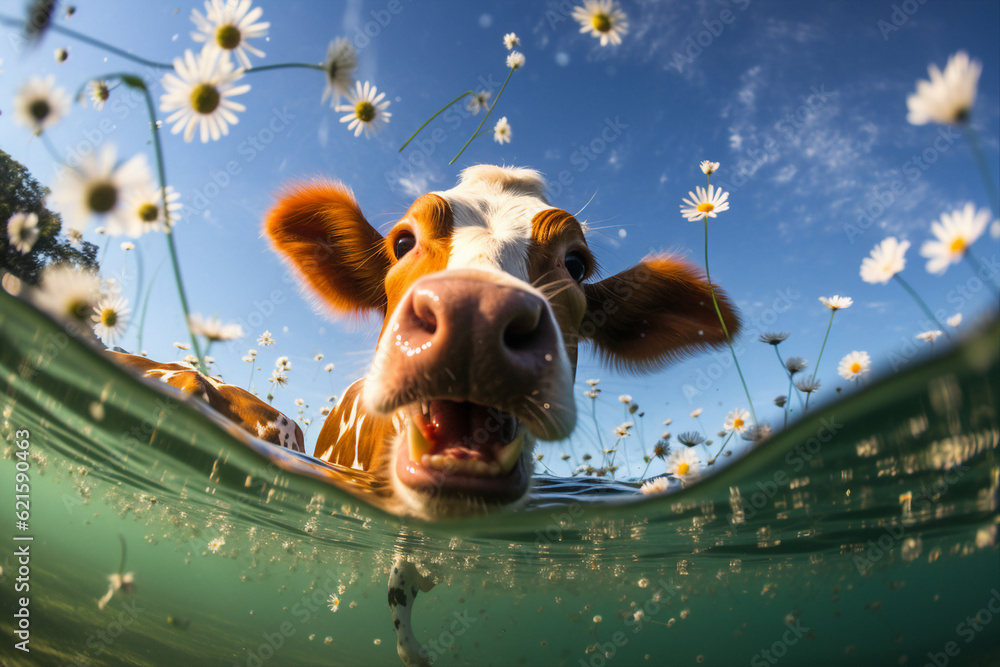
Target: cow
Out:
[485,293]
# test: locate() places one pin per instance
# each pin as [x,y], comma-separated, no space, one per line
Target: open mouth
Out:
[458,447]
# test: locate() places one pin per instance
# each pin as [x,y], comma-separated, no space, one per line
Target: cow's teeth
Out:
[471,467]
[425,409]
[419,445]
[510,453]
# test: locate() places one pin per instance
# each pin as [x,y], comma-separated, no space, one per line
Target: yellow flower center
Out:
[601,22]
[958,245]
[738,423]
[109,317]
[365,111]
[683,469]
[856,367]
[706,207]
[39,110]
[228,37]
[102,197]
[78,309]
[148,212]
[205,98]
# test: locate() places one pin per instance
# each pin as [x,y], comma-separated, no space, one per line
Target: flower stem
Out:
[725,330]
[145,307]
[725,442]
[920,302]
[975,264]
[412,136]
[161,175]
[488,112]
[264,68]
[16,23]
[833,311]
[984,168]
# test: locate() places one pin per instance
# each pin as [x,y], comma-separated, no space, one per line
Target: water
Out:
[865,534]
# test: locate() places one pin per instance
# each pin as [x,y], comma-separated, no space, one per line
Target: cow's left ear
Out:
[656,312]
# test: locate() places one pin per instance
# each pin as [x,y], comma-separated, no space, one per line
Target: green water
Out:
[865,534]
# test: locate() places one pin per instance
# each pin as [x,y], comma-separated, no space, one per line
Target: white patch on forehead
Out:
[492,209]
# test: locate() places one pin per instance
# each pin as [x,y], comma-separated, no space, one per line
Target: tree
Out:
[21,193]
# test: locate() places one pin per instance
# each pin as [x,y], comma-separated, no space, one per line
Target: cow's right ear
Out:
[322,235]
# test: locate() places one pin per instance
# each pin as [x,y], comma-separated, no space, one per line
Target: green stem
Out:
[264,68]
[975,264]
[145,307]
[16,23]
[920,302]
[712,460]
[833,311]
[161,174]
[984,168]
[597,428]
[412,136]
[139,272]
[488,112]
[789,374]
[725,330]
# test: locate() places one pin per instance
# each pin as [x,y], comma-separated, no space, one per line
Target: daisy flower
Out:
[706,204]
[341,61]
[696,413]
[773,337]
[22,230]
[366,109]
[954,320]
[479,101]
[655,486]
[685,465]
[213,329]
[736,420]
[328,368]
[227,25]
[623,430]
[111,317]
[593,383]
[854,365]
[61,55]
[690,438]
[99,93]
[333,602]
[807,385]
[796,364]
[603,19]
[278,377]
[98,188]
[68,294]
[502,131]
[780,401]
[39,104]
[127,245]
[146,205]
[955,233]
[709,168]
[216,544]
[199,94]
[625,398]
[756,433]
[515,60]
[266,339]
[836,302]
[929,336]
[948,97]
[886,260]
[510,40]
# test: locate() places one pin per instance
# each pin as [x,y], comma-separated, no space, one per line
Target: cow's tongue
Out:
[458,431]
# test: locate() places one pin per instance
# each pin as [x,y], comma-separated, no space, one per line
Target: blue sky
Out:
[804,105]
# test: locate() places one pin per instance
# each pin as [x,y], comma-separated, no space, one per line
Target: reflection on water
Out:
[865,534]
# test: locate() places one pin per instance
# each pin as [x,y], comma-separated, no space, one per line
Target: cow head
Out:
[486,292]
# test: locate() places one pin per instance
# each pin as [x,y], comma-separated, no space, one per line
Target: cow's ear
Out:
[323,236]
[654,313]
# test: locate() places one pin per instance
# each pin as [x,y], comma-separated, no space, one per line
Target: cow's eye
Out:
[403,244]
[575,265]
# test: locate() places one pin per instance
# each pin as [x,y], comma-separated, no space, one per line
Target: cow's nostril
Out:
[423,310]
[522,330]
